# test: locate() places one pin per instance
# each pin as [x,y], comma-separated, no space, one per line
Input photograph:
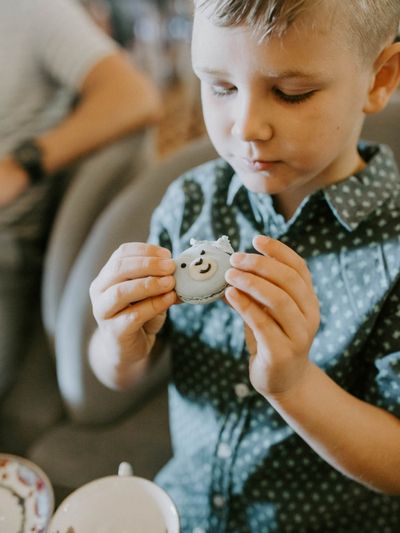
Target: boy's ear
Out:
[385,80]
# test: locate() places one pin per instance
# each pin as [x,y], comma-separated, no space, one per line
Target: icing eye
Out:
[202,252]
[183,265]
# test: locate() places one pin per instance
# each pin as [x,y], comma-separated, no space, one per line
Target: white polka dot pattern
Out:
[238,467]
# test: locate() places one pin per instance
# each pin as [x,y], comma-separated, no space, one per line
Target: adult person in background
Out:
[52,54]
[113,18]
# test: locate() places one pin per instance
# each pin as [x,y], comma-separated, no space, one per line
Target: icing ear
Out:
[224,244]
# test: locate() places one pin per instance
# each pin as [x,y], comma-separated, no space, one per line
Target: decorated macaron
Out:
[200,270]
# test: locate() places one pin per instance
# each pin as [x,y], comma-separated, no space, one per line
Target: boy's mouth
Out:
[259,164]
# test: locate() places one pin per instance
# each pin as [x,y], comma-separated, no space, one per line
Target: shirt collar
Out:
[354,199]
[261,204]
[234,187]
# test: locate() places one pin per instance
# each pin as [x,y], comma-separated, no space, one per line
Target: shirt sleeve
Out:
[383,349]
[66,41]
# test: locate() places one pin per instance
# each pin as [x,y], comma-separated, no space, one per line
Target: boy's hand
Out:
[274,295]
[130,297]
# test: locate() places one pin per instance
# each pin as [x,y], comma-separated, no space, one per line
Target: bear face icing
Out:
[200,270]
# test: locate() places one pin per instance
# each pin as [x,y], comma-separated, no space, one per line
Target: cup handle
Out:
[125,469]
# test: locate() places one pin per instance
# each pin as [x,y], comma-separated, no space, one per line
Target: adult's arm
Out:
[115,99]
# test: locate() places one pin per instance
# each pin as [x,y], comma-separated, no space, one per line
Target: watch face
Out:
[29,156]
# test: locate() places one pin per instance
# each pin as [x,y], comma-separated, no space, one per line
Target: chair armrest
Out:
[94,184]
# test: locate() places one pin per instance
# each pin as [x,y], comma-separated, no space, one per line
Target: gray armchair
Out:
[385,126]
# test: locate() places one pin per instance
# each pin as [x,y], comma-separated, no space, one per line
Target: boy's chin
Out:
[259,184]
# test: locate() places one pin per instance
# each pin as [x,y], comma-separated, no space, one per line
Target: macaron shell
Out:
[200,274]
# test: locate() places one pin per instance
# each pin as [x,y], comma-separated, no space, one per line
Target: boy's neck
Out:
[288,201]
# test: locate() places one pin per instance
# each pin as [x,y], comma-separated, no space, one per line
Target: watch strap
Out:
[29,156]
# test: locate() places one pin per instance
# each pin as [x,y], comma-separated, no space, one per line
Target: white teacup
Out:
[117,504]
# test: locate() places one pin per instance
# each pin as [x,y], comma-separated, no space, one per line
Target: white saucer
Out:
[26,496]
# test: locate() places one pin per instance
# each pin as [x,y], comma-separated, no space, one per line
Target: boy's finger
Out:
[135,249]
[284,254]
[132,318]
[120,269]
[276,302]
[277,273]
[119,296]
[153,326]
[255,318]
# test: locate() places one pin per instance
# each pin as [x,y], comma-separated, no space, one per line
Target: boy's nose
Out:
[251,123]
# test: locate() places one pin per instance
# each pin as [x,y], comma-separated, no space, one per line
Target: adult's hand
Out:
[13,181]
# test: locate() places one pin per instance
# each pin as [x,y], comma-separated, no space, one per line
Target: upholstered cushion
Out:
[72,455]
[384,127]
[34,403]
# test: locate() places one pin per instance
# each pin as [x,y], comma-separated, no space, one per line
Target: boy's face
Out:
[285,113]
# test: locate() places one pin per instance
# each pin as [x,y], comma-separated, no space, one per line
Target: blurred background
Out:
[156,36]
[57,414]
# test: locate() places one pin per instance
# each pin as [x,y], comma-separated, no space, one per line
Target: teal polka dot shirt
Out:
[237,466]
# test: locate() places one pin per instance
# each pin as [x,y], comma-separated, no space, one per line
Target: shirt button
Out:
[218,501]
[242,390]
[224,451]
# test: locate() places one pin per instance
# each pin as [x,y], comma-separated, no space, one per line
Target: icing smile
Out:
[205,270]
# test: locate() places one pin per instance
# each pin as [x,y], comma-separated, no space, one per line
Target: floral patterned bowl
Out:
[26,496]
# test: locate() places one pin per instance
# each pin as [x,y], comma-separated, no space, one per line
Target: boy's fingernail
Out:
[237,257]
[166,265]
[164,252]
[230,274]
[165,282]
[169,297]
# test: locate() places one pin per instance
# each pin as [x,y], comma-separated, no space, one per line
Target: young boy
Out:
[290,423]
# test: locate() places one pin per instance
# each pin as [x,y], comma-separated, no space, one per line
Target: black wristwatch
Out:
[29,156]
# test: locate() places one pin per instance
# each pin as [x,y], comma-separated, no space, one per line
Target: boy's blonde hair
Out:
[370,23]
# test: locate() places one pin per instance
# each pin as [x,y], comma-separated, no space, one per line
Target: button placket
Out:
[224,458]
[218,501]
[241,390]
[224,451]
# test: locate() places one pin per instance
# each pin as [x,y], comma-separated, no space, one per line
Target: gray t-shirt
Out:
[46,49]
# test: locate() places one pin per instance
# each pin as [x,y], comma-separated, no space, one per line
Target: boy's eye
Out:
[221,90]
[292,98]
